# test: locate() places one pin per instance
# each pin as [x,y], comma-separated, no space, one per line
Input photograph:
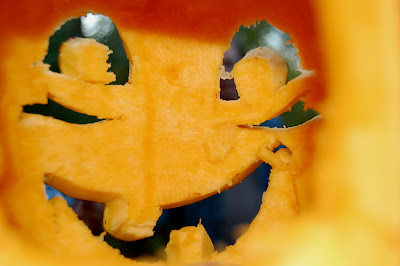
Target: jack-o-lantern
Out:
[166,138]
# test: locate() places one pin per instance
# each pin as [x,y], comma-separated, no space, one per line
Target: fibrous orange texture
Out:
[167,139]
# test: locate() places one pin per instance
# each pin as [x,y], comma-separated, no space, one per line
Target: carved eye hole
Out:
[248,38]
[258,35]
[82,32]
[96,27]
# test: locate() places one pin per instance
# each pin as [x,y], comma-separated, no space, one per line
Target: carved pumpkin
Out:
[168,140]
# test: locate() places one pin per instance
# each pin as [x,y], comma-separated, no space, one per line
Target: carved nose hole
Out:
[103,30]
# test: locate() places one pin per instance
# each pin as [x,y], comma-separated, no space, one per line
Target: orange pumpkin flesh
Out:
[189,244]
[178,35]
[174,133]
